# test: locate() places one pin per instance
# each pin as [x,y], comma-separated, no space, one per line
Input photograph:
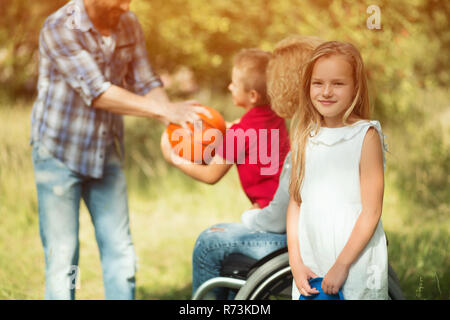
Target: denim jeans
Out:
[59,191]
[217,242]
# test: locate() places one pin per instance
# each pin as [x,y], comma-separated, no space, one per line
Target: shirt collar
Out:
[84,23]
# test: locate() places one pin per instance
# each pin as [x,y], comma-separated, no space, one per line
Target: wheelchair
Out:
[267,279]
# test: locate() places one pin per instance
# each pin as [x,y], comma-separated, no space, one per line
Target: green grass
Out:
[167,212]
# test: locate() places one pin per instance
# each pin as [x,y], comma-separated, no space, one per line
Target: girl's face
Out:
[332,88]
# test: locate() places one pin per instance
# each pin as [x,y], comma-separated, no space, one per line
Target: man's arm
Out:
[158,94]
[153,105]
[118,100]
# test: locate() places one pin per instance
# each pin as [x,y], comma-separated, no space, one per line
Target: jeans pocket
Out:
[41,153]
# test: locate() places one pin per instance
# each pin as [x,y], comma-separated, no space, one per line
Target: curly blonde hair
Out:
[284,72]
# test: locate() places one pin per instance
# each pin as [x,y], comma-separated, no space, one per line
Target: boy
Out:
[260,134]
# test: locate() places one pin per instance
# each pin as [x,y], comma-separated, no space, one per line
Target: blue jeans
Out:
[216,243]
[59,191]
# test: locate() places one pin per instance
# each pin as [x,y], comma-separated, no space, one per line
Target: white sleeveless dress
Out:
[331,204]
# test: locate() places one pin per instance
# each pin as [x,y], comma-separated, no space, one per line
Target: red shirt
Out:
[249,144]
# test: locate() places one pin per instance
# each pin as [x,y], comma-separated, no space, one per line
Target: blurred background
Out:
[191,44]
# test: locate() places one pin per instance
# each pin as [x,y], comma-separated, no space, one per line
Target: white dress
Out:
[331,204]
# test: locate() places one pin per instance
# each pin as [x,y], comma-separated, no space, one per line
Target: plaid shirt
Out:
[73,71]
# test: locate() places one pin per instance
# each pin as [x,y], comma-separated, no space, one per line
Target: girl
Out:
[334,229]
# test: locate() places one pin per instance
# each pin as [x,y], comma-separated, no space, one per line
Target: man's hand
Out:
[155,104]
[183,112]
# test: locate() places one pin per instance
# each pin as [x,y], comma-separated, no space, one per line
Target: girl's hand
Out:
[335,278]
[303,274]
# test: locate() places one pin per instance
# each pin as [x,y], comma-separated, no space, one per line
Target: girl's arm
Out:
[210,173]
[372,189]
[300,272]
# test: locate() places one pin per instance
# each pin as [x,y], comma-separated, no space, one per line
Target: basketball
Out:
[192,143]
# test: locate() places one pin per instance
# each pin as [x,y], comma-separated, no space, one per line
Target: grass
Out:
[167,212]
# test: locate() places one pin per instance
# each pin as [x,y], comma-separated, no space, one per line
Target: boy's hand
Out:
[255,206]
[166,148]
[335,278]
[301,277]
[168,153]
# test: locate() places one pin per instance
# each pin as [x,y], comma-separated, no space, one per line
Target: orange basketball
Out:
[191,144]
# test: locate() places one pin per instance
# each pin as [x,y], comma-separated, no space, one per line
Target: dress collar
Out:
[331,136]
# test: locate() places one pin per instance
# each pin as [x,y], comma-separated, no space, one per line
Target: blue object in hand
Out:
[317,284]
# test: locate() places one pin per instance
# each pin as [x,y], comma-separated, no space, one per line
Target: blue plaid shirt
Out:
[73,71]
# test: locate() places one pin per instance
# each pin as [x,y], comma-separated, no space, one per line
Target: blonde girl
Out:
[334,225]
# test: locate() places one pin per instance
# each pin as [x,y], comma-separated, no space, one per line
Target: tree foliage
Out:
[20,22]
[406,58]
[410,49]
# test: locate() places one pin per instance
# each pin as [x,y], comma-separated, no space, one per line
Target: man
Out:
[93,69]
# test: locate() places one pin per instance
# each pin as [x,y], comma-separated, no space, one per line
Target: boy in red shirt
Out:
[257,144]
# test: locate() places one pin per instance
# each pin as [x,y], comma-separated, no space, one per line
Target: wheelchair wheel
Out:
[273,281]
[394,289]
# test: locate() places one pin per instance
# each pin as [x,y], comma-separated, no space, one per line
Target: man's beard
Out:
[109,19]
[112,21]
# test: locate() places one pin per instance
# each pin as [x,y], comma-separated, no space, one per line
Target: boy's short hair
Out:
[253,63]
